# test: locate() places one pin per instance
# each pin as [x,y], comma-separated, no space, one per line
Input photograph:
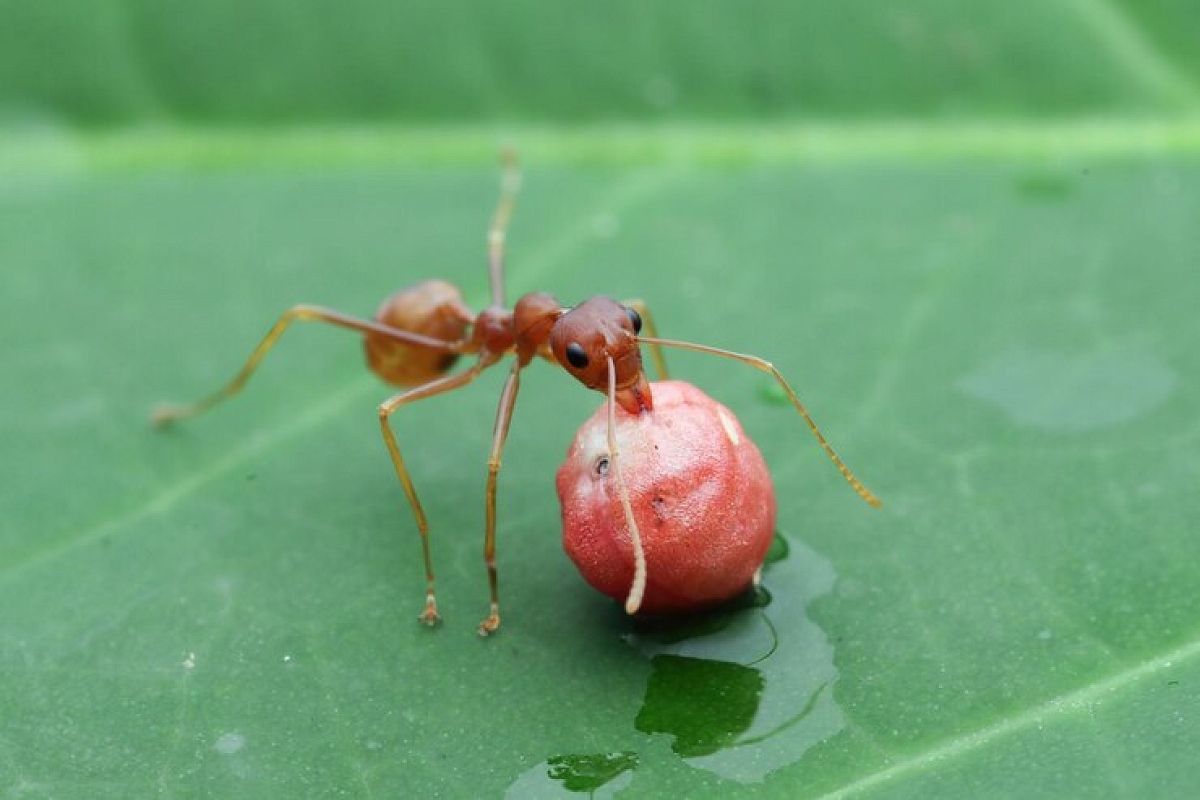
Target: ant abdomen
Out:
[431,308]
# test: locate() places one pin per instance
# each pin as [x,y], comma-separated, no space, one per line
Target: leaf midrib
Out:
[637,144]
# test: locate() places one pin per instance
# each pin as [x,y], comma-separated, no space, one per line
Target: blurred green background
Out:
[222,61]
[967,231]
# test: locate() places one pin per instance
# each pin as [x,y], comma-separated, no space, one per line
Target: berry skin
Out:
[701,494]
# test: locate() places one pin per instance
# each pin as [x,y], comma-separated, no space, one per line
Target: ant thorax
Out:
[493,331]
[532,320]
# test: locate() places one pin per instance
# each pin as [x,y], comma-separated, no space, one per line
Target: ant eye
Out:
[576,355]
[636,319]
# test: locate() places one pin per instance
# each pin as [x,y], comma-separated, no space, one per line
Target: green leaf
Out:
[968,237]
[1001,345]
[280,61]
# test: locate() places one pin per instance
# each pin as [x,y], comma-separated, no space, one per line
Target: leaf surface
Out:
[228,608]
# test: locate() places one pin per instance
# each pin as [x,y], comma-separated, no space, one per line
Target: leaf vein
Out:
[1140,56]
[172,495]
[1061,705]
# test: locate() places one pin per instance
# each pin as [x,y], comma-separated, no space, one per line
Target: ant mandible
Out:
[418,334]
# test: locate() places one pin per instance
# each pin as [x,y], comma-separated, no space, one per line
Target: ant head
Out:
[586,336]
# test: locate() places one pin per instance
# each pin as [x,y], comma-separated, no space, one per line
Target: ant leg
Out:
[508,399]
[439,386]
[656,354]
[510,183]
[766,366]
[167,414]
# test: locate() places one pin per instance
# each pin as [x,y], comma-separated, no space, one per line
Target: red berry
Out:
[701,495]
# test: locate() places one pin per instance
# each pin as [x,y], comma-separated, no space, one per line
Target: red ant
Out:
[418,334]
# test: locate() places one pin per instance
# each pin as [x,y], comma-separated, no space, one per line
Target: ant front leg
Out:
[762,365]
[647,320]
[508,399]
[440,386]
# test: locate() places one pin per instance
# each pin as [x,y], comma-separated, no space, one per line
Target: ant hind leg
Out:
[166,414]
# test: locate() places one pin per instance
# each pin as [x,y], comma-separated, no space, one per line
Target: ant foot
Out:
[163,415]
[430,615]
[491,624]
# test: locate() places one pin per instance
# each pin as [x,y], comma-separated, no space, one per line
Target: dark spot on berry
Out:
[660,506]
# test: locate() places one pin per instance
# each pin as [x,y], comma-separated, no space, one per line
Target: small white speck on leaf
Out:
[189,661]
[229,743]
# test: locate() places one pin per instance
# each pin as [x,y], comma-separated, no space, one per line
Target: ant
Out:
[419,333]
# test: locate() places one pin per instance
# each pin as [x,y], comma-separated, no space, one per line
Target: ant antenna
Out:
[638,589]
[766,366]
[510,184]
